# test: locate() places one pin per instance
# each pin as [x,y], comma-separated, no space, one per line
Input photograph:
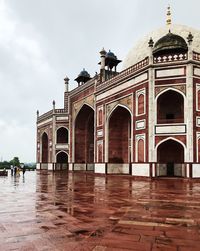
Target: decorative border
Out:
[197,90]
[198,121]
[99,142]
[171,125]
[139,121]
[171,76]
[197,148]
[100,133]
[137,94]
[137,138]
[100,108]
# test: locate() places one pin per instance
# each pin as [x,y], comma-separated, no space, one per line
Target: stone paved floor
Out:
[46,211]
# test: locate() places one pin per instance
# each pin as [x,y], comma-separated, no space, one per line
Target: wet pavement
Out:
[61,211]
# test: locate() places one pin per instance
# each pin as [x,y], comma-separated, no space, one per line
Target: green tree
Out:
[15,161]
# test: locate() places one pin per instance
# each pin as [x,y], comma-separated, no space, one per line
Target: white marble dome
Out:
[141,49]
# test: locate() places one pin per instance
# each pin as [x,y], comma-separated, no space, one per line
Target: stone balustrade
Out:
[170,58]
[196,56]
[49,114]
[124,74]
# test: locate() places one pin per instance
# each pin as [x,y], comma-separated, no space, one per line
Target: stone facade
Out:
[143,121]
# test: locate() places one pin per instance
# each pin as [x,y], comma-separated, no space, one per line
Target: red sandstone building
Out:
[142,121]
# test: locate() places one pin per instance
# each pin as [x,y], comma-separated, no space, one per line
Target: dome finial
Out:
[169,17]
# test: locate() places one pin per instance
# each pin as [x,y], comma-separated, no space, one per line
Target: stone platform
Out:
[60,211]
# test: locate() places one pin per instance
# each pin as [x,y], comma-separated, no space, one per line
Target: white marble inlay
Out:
[44,122]
[99,133]
[170,72]
[167,129]
[196,71]
[141,169]
[62,118]
[198,121]
[140,124]
[123,86]
[62,146]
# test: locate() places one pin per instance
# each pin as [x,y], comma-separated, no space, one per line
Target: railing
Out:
[122,75]
[196,56]
[60,111]
[45,115]
[170,58]
[50,113]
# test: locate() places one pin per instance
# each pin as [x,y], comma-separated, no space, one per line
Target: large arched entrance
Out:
[45,148]
[170,156]
[62,135]
[61,161]
[170,108]
[119,133]
[84,135]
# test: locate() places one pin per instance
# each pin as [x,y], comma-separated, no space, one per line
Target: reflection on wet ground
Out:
[61,211]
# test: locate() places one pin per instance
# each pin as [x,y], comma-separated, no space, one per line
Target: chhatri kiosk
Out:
[143,121]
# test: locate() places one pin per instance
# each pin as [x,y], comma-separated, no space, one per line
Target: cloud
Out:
[41,41]
[23,67]
[16,140]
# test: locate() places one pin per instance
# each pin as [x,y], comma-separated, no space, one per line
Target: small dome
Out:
[141,49]
[110,54]
[83,76]
[84,73]
[170,42]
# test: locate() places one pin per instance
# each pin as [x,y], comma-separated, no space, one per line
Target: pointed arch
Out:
[115,107]
[170,156]
[61,160]
[62,157]
[170,89]
[171,151]
[170,106]
[62,135]
[84,135]
[198,148]
[198,100]
[172,138]
[45,147]
[84,104]
[119,124]
[141,146]
[141,104]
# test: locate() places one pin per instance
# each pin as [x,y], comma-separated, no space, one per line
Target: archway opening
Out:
[62,135]
[119,136]
[84,135]
[170,108]
[45,148]
[61,161]
[170,156]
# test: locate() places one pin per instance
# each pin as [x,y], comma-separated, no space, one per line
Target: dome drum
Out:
[168,43]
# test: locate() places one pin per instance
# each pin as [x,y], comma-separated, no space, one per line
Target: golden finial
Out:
[169,17]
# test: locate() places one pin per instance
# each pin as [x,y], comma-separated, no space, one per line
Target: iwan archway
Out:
[170,159]
[119,136]
[170,107]
[45,148]
[61,161]
[84,135]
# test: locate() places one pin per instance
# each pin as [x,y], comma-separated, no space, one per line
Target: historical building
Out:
[142,121]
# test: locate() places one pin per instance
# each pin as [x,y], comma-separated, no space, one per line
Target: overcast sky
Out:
[41,41]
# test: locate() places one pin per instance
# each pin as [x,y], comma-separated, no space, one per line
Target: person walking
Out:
[12,169]
[15,170]
[23,169]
